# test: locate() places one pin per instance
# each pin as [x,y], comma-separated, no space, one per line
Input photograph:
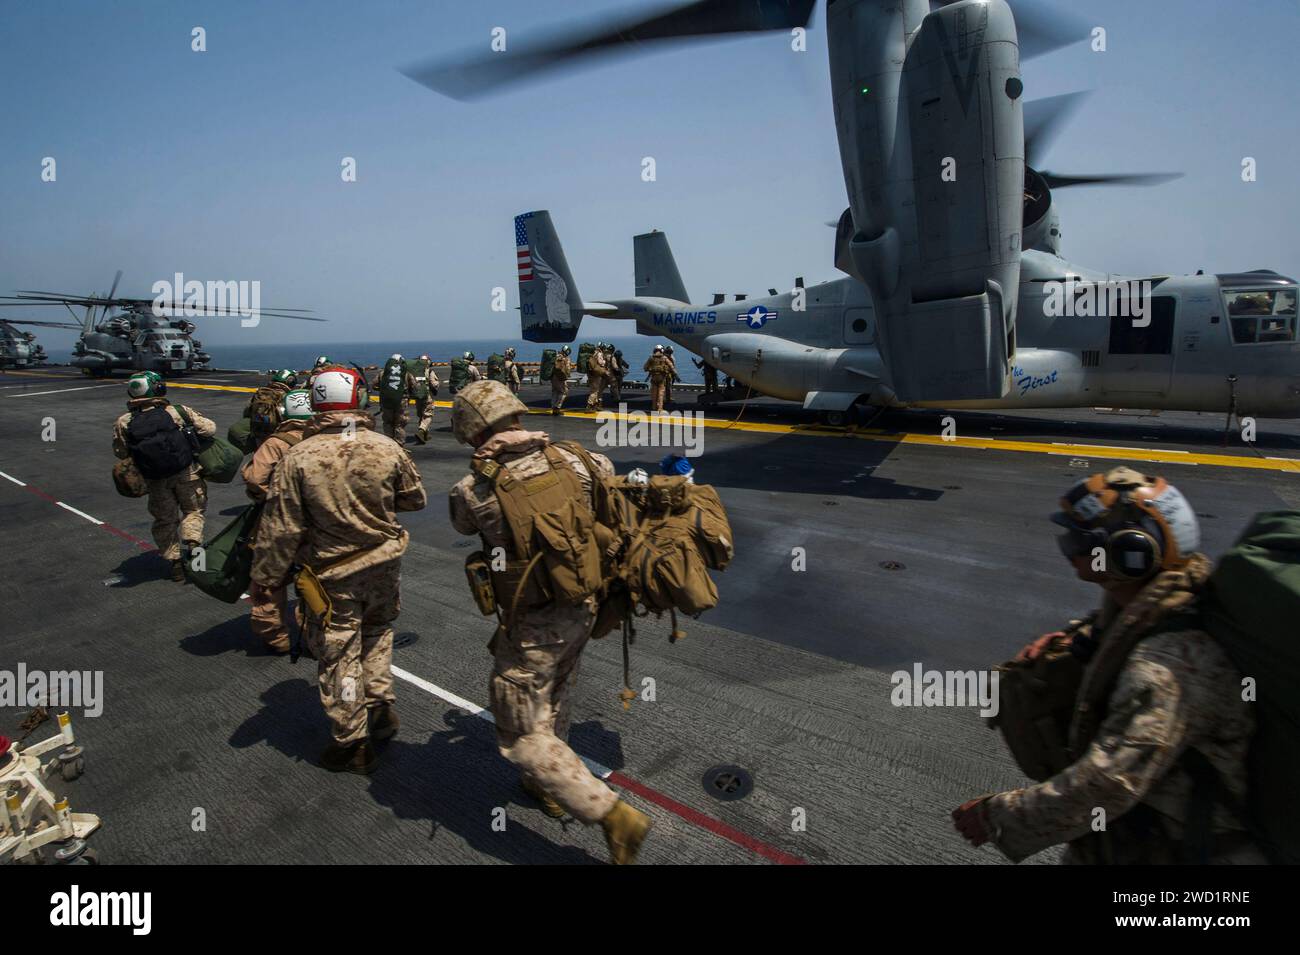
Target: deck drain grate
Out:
[728,783]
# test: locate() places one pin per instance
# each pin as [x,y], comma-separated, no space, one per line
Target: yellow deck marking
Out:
[1286,465]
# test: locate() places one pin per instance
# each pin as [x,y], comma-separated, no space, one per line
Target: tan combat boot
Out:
[279,644]
[625,830]
[356,758]
[383,722]
[549,805]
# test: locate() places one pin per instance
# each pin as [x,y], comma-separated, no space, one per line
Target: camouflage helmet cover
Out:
[480,406]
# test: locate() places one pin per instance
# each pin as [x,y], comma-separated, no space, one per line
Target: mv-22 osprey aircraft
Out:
[957,296]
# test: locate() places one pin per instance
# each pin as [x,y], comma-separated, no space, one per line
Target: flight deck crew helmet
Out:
[396,357]
[424,358]
[480,406]
[338,389]
[566,350]
[510,353]
[322,361]
[285,376]
[469,356]
[1143,524]
[146,384]
[659,349]
[296,405]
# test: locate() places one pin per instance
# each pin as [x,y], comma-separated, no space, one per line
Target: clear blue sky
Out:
[225,164]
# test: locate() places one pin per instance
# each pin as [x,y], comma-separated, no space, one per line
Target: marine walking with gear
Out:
[395,386]
[331,519]
[514,381]
[162,440]
[531,504]
[659,370]
[263,409]
[559,372]
[1133,720]
[423,381]
[596,375]
[268,618]
[463,371]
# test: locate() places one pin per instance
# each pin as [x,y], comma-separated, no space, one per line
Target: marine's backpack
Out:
[548,364]
[584,353]
[392,385]
[459,373]
[1252,608]
[496,368]
[263,414]
[658,542]
[225,570]
[418,368]
[158,446]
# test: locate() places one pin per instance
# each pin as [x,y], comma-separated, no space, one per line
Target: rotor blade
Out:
[11,321]
[1114,179]
[116,278]
[1044,120]
[1039,29]
[481,74]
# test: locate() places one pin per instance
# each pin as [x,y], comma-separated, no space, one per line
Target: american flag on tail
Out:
[524,259]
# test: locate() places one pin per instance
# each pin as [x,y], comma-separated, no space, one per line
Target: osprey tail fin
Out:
[656,272]
[550,309]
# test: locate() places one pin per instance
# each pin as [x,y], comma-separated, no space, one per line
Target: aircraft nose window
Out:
[1262,317]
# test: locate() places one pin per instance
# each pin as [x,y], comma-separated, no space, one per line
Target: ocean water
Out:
[261,357]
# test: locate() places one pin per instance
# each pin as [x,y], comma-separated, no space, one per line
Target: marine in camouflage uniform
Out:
[560,380]
[393,402]
[513,379]
[597,367]
[536,660]
[659,370]
[333,505]
[178,503]
[423,390]
[269,616]
[1159,698]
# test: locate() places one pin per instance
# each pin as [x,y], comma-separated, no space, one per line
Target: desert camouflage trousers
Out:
[177,505]
[595,386]
[535,669]
[395,420]
[424,412]
[269,616]
[354,655]
[658,392]
[559,391]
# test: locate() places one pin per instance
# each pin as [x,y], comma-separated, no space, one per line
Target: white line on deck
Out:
[601,771]
[34,394]
[69,507]
[10,477]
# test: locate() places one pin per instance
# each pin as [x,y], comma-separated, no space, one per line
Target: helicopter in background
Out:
[20,349]
[132,333]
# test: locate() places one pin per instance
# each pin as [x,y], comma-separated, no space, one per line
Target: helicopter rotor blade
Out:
[478,75]
[1045,119]
[117,278]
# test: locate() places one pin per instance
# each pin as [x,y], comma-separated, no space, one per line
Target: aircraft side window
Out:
[1265,317]
[1154,337]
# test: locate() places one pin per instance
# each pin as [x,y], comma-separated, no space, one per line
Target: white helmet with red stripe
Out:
[335,388]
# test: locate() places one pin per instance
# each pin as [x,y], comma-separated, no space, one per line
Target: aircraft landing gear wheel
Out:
[72,763]
[834,418]
[75,852]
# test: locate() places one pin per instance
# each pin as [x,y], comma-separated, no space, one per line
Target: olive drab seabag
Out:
[554,554]
[218,460]
[418,369]
[263,415]
[496,368]
[240,434]
[1252,609]
[659,540]
[392,385]
[225,565]
[158,446]
[584,354]
[459,373]
[548,364]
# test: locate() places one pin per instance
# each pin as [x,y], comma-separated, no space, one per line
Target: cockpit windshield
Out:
[1263,316]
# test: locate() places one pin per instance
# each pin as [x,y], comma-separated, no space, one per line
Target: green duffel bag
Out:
[240,434]
[217,458]
[1253,610]
[227,559]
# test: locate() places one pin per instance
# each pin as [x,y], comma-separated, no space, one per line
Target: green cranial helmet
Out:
[469,356]
[296,405]
[146,384]
[323,360]
[480,406]
[566,350]
[285,376]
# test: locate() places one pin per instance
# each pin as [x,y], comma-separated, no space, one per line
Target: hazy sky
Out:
[226,164]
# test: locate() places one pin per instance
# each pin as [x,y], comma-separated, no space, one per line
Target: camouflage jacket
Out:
[203,427]
[278,388]
[474,505]
[334,494]
[261,466]
[563,367]
[1169,692]
[597,366]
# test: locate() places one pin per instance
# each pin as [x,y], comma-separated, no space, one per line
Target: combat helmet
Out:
[469,356]
[296,405]
[335,388]
[480,406]
[566,350]
[284,376]
[146,384]
[1143,524]
[322,361]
